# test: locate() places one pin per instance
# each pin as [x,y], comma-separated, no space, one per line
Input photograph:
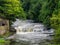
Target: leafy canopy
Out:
[11,9]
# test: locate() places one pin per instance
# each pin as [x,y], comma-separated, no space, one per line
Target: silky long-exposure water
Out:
[31,39]
[36,37]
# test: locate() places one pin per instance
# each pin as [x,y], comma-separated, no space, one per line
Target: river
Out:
[31,38]
[42,39]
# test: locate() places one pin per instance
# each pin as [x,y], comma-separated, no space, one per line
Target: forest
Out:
[42,11]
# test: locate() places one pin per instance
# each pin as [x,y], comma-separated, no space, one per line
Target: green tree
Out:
[55,23]
[11,9]
[39,10]
[46,11]
[31,8]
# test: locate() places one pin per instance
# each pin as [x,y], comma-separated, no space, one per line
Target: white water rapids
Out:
[34,38]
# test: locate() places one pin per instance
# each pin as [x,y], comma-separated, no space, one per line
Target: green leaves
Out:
[12,9]
[55,23]
[39,10]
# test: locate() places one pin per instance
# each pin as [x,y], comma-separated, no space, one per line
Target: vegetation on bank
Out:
[4,42]
[43,11]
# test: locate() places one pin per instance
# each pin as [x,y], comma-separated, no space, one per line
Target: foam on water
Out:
[33,37]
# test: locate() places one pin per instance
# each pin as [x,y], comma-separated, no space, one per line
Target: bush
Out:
[4,42]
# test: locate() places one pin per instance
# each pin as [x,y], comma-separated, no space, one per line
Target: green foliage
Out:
[39,10]
[55,23]
[46,12]
[11,9]
[31,8]
[4,42]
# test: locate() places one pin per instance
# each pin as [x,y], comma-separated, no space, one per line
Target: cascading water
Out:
[35,36]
